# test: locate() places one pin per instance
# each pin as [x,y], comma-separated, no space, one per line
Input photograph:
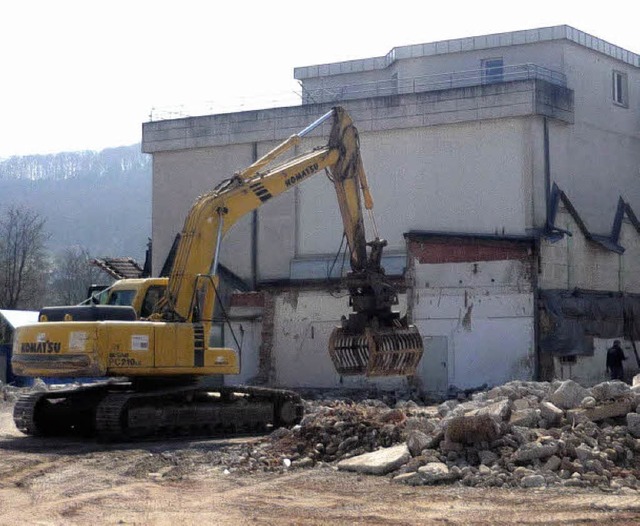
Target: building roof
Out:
[18,318]
[119,268]
[457,45]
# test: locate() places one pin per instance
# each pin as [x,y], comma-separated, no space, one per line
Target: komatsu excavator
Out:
[151,344]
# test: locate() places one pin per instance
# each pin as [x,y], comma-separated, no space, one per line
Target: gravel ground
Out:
[247,480]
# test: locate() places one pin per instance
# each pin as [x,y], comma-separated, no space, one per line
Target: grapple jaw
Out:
[388,351]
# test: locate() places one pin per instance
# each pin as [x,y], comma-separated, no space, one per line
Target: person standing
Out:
[615,357]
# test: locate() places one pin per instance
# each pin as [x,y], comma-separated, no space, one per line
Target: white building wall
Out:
[303,323]
[485,310]
[591,370]
[596,159]
[630,260]
[474,176]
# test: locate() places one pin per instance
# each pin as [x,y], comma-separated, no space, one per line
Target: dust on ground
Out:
[67,481]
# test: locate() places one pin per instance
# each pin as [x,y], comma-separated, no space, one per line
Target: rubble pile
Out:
[521,434]
[330,431]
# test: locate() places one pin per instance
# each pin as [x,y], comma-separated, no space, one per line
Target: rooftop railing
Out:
[434,82]
[393,86]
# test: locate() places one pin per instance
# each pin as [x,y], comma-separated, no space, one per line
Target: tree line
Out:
[30,275]
[75,165]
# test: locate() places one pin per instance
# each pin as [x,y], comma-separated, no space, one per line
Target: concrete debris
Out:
[569,395]
[518,435]
[521,434]
[378,462]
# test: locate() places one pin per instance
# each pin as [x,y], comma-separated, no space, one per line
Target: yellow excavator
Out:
[152,344]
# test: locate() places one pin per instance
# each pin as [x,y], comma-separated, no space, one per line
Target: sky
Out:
[85,74]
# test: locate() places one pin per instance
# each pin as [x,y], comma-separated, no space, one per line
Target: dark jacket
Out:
[615,357]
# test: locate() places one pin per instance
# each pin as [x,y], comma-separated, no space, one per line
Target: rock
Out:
[484,470]
[395,416]
[522,434]
[280,433]
[417,441]
[379,462]
[552,464]
[304,462]
[471,429]
[445,407]
[533,481]
[487,458]
[609,390]
[535,450]
[584,452]
[636,380]
[435,439]
[550,412]
[419,424]
[588,402]
[569,395]
[498,410]
[521,404]
[435,472]
[524,418]
[411,479]
[633,424]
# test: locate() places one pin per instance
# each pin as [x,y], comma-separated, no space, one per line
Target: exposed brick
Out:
[462,250]
[247,299]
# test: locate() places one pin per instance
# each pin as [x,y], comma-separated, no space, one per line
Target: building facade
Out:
[480,152]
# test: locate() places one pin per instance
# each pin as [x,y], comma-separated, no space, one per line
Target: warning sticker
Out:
[77,341]
[139,342]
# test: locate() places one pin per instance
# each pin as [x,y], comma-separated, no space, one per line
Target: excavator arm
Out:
[373,326]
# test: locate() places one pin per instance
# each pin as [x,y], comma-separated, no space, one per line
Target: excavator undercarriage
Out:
[121,410]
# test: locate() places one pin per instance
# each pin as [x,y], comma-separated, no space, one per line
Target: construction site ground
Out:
[70,481]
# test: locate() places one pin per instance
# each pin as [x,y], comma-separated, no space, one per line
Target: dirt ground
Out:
[184,482]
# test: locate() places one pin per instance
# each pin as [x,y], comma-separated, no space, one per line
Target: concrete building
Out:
[498,164]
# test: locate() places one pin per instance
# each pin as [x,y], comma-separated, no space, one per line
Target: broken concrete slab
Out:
[498,410]
[378,462]
[533,481]
[524,418]
[417,441]
[609,390]
[633,424]
[535,450]
[411,479]
[619,407]
[550,412]
[568,395]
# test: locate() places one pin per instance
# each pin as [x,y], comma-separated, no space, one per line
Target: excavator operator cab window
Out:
[122,297]
[151,298]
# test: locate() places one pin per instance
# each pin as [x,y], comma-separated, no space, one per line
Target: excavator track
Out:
[24,414]
[118,413]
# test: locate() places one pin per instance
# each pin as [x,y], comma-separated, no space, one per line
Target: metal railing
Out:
[394,86]
[434,82]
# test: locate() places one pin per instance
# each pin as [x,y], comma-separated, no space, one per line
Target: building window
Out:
[620,92]
[492,70]
[568,360]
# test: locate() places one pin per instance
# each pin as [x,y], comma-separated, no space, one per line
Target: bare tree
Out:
[73,274]
[22,258]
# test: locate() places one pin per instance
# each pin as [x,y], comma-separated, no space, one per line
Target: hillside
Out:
[98,200]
